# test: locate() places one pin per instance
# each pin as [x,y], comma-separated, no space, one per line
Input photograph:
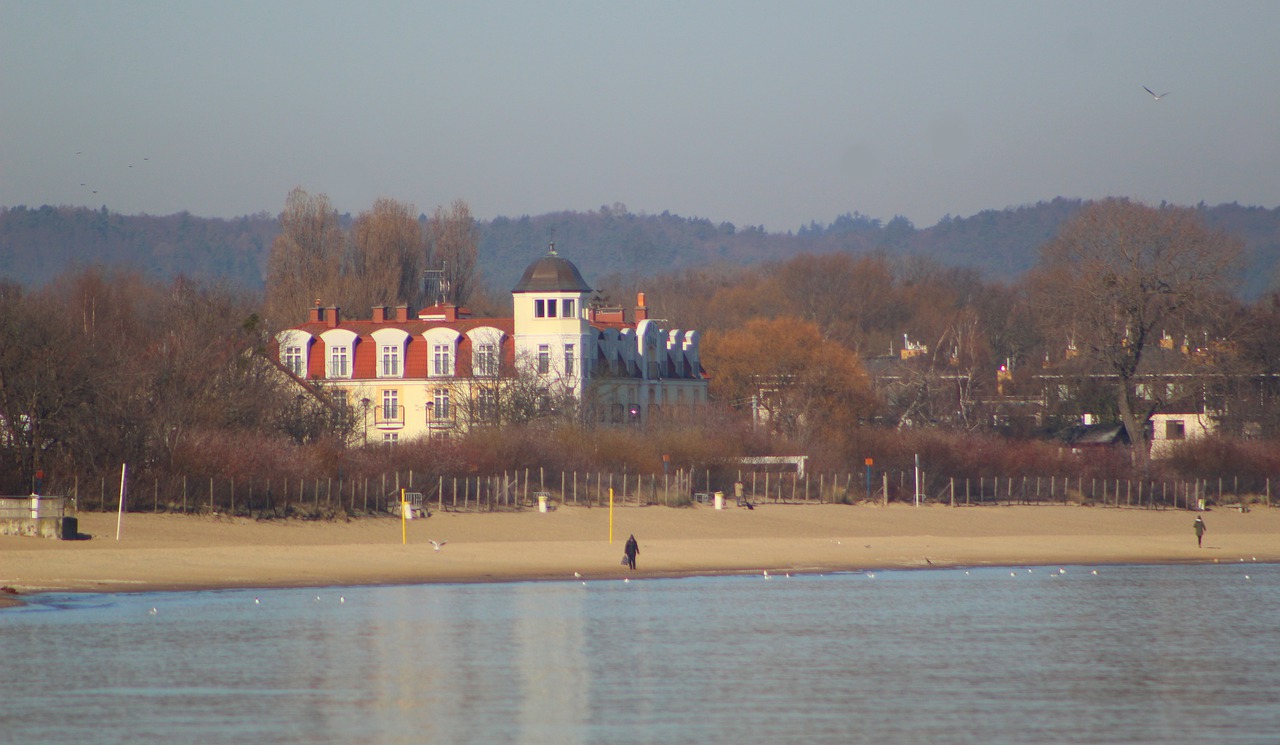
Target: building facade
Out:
[439,371]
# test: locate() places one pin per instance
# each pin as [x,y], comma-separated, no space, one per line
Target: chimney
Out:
[379,314]
[316,314]
[331,317]
[642,310]
[402,314]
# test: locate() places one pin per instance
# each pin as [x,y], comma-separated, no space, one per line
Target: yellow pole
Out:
[404,522]
[611,514]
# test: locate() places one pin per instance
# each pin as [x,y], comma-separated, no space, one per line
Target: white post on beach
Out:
[611,515]
[124,467]
[917,479]
[404,521]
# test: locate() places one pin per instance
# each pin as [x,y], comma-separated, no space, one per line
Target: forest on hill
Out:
[37,244]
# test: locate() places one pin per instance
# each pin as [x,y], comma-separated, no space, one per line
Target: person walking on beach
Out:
[1199,527]
[631,550]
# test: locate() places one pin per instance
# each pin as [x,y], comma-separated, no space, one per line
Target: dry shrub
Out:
[1251,462]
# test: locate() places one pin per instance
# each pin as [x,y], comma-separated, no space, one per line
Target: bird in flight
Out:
[437,544]
[1153,93]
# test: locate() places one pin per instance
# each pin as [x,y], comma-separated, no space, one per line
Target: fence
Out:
[517,489]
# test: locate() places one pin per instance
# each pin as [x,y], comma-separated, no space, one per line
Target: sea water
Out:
[1113,654]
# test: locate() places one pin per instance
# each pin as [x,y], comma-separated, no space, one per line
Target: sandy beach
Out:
[172,552]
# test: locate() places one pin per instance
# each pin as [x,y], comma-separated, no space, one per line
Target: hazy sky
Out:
[759,113]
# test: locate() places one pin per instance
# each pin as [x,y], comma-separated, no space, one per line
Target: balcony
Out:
[388,417]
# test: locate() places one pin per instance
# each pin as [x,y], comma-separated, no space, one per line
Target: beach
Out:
[179,552]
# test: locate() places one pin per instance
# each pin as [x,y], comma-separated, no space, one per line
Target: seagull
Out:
[1061,570]
[256,601]
[1095,571]
[342,599]
[577,575]
[153,611]
[436,544]
[1153,93]
[926,560]
[766,574]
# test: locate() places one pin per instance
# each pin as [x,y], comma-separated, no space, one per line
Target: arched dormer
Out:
[675,352]
[650,348]
[295,350]
[608,341]
[691,353]
[442,352]
[391,345]
[628,351]
[340,346]
[486,351]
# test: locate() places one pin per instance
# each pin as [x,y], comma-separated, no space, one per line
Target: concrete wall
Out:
[61,528]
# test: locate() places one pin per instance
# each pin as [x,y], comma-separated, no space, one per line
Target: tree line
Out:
[177,378]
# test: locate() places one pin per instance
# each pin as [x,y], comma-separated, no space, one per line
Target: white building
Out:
[441,371]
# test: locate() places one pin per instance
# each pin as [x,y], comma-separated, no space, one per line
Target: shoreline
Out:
[159,553]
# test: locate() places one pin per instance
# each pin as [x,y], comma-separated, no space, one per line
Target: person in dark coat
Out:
[631,550]
[1199,527]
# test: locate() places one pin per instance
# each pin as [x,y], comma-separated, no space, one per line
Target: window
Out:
[566,308]
[440,407]
[338,367]
[544,359]
[551,309]
[390,362]
[442,360]
[390,438]
[293,361]
[539,309]
[486,360]
[390,406]
[1175,429]
[568,360]
[487,405]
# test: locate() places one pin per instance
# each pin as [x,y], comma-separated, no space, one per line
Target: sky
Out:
[756,113]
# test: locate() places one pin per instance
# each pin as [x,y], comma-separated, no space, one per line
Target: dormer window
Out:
[390,367]
[339,362]
[293,361]
[442,360]
[486,360]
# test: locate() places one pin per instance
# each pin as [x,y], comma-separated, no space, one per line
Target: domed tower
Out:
[551,328]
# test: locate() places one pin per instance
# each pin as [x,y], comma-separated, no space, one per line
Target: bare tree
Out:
[306,258]
[454,241]
[388,250]
[1116,276]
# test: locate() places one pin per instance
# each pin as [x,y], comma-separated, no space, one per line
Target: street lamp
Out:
[364,417]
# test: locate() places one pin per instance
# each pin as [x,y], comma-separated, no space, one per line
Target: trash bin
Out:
[719,500]
[1200,505]
[542,503]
